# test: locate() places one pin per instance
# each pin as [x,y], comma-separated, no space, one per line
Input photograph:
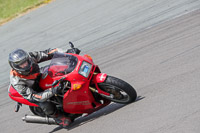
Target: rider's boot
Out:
[61,119]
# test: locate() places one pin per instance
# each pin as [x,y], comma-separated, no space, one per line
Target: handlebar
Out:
[57,81]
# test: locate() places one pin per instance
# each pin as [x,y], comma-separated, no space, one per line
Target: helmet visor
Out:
[24,65]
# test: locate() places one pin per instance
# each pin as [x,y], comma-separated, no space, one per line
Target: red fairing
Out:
[14,95]
[81,101]
[99,78]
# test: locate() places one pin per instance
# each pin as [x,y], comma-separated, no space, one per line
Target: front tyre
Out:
[122,91]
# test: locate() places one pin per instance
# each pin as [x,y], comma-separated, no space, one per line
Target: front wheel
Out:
[121,91]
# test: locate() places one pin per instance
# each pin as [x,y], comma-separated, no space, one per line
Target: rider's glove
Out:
[74,51]
[56,90]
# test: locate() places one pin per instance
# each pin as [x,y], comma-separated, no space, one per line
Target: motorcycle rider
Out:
[25,75]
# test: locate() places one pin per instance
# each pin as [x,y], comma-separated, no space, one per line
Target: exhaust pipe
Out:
[39,119]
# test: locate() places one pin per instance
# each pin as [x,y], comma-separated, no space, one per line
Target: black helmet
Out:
[20,61]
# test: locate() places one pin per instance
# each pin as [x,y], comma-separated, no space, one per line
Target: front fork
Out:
[100,78]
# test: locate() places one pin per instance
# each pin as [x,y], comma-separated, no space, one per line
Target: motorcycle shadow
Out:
[102,112]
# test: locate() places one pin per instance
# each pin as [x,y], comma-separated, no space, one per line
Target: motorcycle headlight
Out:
[85,69]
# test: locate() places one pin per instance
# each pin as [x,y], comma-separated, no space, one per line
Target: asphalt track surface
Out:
[152,44]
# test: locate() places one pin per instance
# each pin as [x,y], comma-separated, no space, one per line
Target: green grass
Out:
[11,8]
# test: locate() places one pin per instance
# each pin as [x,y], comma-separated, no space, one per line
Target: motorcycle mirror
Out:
[71,45]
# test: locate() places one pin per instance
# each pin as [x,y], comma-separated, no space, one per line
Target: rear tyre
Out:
[37,111]
[122,91]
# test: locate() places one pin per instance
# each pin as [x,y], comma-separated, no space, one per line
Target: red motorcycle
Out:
[84,88]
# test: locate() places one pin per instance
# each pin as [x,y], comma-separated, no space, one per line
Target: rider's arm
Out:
[28,93]
[45,55]
[32,96]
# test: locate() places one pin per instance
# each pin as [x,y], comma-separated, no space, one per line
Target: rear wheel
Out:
[121,91]
[37,111]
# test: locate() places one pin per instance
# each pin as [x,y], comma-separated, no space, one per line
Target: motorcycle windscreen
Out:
[62,64]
